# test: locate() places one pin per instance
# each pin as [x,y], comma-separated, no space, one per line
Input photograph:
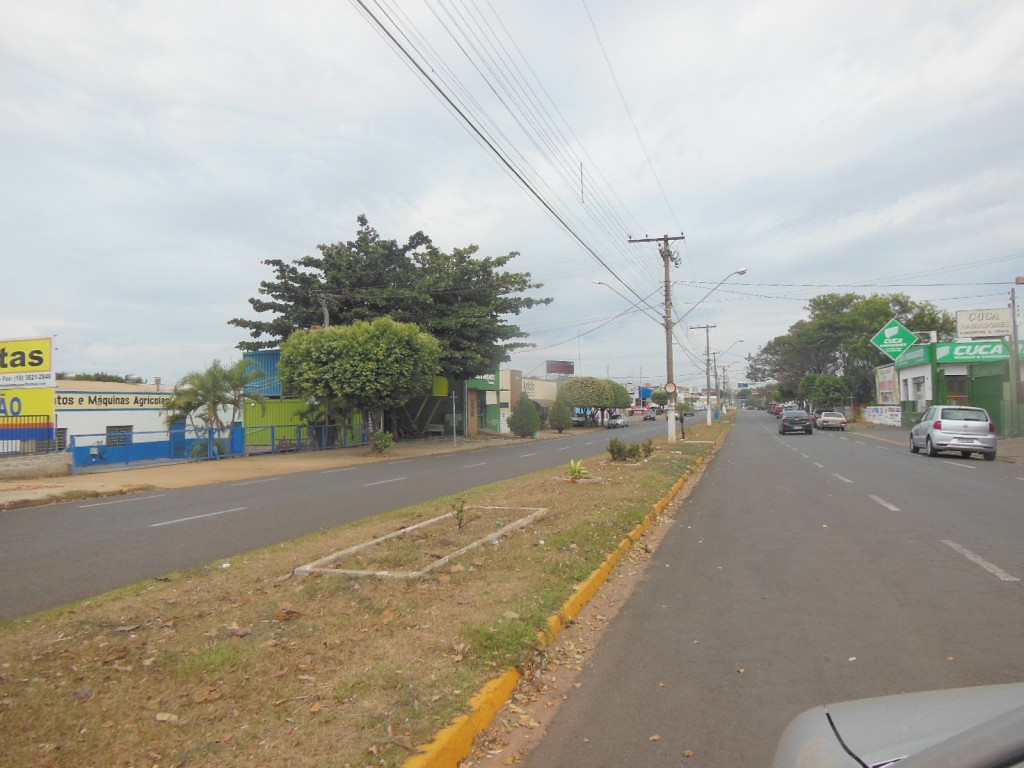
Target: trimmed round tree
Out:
[369,366]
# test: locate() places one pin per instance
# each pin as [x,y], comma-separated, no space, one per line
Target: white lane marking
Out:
[996,571]
[197,517]
[120,501]
[840,477]
[819,466]
[384,482]
[965,466]
[805,455]
[884,503]
[471,466]
[253,482]
[339,469]
[526,455]
[564,448]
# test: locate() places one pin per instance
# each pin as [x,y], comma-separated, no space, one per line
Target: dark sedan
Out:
[795,421]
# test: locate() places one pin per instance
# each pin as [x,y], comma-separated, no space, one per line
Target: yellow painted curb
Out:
[453,743]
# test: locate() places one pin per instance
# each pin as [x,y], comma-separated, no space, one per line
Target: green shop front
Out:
[976,373]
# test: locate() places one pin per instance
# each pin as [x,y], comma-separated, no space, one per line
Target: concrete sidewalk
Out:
[1010,449]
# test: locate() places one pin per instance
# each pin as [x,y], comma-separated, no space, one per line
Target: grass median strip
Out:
[240,664]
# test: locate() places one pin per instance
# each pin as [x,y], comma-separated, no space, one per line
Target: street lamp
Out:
[740,271]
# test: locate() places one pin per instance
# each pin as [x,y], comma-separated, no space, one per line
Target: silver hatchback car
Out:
[955,428]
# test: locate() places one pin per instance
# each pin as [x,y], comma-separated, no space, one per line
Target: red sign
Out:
[561,366]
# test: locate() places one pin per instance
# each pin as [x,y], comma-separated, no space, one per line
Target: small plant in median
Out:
[633,452]
[459,513]
[576,469]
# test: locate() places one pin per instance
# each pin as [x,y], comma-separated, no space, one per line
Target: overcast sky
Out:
[153,154]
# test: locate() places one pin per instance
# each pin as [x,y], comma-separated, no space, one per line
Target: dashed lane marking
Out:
[197,517]
[884,503]
[996,571]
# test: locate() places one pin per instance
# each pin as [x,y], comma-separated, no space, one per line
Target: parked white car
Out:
[955,428]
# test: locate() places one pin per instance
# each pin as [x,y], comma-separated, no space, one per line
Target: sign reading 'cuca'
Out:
[983,323]
[894,339]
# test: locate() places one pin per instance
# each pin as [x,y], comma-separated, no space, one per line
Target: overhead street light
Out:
[740,270]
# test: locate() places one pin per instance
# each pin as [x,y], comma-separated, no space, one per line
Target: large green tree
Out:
[366,366]
[461,299]
[835,340]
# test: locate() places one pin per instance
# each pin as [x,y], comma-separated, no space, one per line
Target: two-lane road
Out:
[802,570]
[53,555]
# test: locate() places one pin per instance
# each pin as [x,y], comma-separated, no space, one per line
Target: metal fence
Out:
[26,435]
[119,449]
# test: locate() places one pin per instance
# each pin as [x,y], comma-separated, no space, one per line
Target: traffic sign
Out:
[894,339]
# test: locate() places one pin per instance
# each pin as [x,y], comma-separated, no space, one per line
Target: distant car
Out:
[982,727]
[649,416]
[579,421]
[618,421]
[955,428]
[795,421]
[830,420]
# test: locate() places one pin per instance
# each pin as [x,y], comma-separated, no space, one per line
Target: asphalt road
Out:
[53,555]
[803,570]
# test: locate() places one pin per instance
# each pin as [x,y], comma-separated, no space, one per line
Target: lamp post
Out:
[740,271]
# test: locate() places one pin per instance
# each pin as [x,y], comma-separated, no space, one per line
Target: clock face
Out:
[670,387]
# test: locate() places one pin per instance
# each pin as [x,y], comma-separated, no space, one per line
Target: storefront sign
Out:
[894,339]
[111,401]
[983,323]
[27,363]
[971,352]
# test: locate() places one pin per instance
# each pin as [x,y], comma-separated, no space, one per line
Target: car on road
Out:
[981,727]
[795,421]
[649,416]
[830,420]
[959,429]
[617,421]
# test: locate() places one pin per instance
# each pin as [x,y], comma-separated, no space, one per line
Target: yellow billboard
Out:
[27,363]
[26,414]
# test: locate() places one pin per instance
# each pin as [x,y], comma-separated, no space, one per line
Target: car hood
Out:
[885,730]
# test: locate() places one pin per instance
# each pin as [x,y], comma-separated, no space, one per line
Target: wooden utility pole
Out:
[668,258]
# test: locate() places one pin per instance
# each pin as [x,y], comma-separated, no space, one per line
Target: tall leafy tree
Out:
[835,340]
[463,300]
[365,366]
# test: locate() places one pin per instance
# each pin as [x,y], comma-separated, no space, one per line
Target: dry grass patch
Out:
[239,664]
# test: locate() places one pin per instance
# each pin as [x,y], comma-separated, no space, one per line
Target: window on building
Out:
[119,435]
[956,389]
[62,438]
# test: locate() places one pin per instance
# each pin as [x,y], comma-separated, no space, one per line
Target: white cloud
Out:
[156,153]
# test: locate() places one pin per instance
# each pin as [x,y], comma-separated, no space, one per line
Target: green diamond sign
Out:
[894,339]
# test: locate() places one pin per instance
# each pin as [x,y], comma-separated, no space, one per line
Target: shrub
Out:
[633,452]
[382,441]
[560,417]
[524,421]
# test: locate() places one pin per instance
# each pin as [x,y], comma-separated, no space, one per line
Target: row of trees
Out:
[366,324]
[584,393]
[829,358]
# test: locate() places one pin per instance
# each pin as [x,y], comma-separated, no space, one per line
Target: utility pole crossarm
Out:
[669,259]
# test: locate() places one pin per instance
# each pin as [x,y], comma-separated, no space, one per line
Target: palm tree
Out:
[205,395]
